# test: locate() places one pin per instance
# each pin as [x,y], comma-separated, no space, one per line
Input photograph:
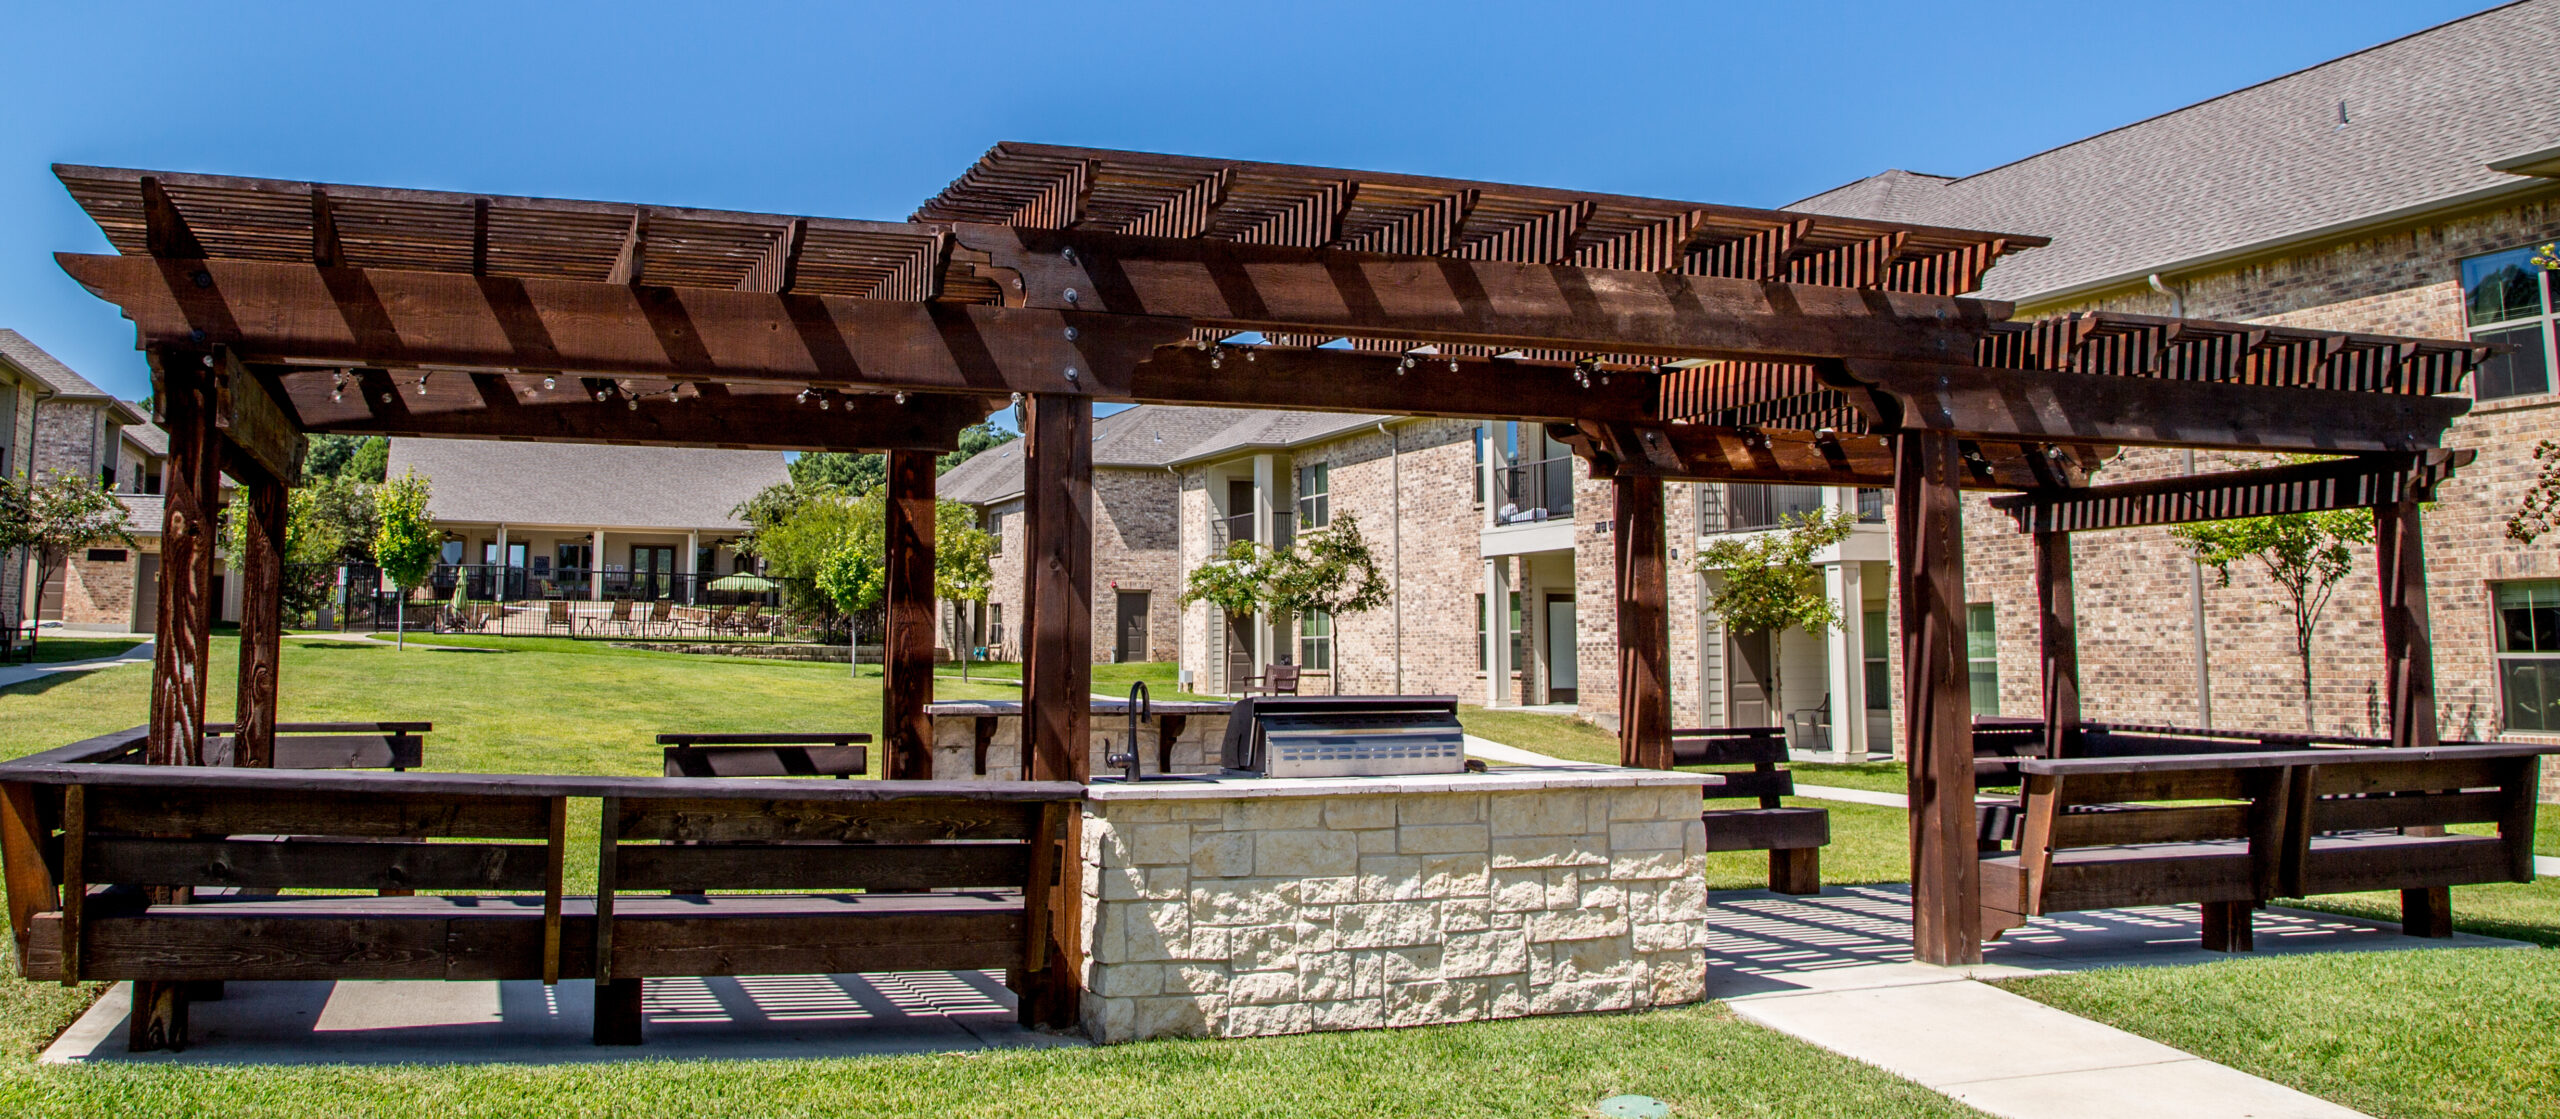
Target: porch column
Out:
[1057,670]
[2408,656]
[1265,477]
[1845,583]
[692,567]
[907,660]
[1928,540]
[261,616]
[1497,632]
[193,492]
[498,583]
[1644,625]
[595,566]
[2058,634]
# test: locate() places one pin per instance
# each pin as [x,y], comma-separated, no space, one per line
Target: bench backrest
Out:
[375,745]
[1762,749]
[2453,786]
[766,755]
[2158,802]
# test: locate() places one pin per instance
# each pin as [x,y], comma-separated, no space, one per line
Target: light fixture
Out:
[901,398]
[549,383]
[804,396]
[632,403]
[602,396]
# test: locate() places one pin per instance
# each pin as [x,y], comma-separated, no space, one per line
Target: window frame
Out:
[2506,659]
[1315,496]
[1990,614]
[2541,322]
[1315,650]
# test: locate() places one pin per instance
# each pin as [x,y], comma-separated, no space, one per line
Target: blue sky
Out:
[857,110]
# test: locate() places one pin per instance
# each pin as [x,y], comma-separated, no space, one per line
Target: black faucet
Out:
[1139,709]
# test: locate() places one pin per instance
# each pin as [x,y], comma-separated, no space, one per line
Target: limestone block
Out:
[1564,888]
[1109,1020]
[1640,865]
[1148,930]
[1466,914]
[1677,977]
[1422,1004]
[1159,844]
[1368,975]
[1359,813]
[1271,947]
[1311,853]
[1576,924]
[1683,898]
[1582,998]
[1551,812]
[1328,891]
[1551,850]
[1324,976]
[1442,839]
[1456,876]
[1269,1021]
[1484,954]
[1600,893]
[1222,854]
[1349,1014]
[1608,960]
[1390,924]
[1117,883]
[1178,1016]
[1656,835]
[1315,932]
[1380,841]
[1275,814]
[1207,942]
[1125,980]
[1673,936]
[1263,987]
[1520,889]
[1238,901]
[1652,803]
[1390,877]
[1406,965]
[1441,808]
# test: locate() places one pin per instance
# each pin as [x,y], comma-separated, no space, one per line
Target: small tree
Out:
[314,539]
[55,514]
[963,567]
[852,580]
[1238,582]
[2304,554]
[1328,571]
[1770,582]
[406,541]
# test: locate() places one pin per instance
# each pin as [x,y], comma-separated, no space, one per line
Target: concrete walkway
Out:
[782,1016]
[140,653]
[1835,970]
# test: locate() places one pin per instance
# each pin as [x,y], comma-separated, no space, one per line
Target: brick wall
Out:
[1133,550]
[1438,573]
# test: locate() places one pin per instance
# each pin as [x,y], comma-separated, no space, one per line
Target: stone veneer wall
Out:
[1246,916]
[955,746]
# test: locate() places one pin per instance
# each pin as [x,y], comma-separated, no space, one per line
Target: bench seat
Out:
[1766,829]
[2116,877]
[471,937]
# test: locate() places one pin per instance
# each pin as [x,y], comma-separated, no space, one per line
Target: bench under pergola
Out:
[1662,340]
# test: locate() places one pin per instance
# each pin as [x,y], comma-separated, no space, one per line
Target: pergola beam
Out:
[516,406]
[2056,407]
[2350,483]
[1707,453]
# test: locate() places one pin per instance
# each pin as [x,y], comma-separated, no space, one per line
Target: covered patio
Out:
[1659,340]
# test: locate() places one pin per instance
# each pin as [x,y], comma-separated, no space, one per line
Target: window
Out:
[106,555]
[452,553]
[1315,495]
[1879,662]
[1519,637]
[2529,654]
[1481,617]
[995,623]
[2507,300]
[1480,438]
[1315,641]
[995,528]
[1982,657]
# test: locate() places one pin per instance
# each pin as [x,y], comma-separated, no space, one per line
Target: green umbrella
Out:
[752,584]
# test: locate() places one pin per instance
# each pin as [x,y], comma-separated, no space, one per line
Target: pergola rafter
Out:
[1670,340]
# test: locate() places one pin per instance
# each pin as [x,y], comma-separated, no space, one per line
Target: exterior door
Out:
[1239,649]
[1133,627]
[653,571]
[1562,651]
[1747,699]
[146,593]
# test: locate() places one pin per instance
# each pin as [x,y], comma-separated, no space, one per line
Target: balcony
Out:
[1756,508]
[1539,490]
[1226,530]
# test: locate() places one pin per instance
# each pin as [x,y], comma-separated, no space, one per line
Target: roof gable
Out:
[586,485]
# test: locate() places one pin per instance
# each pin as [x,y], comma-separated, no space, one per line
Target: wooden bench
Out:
[1793,837]
[101,860]
[376,745]
[2230,831]
[766,755]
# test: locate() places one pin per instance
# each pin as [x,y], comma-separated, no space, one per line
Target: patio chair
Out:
[557,617]
[719,621]
[752,621]
[620,618]
[1281,679]
[1809,729]
[661,618]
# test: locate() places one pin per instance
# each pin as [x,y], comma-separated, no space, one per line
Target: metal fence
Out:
[1537,490]
[1223,530]
[516,602]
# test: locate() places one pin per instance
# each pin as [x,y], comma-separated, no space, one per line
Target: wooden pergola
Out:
[1663,340]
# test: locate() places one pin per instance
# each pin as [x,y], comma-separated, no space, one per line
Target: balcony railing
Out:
[1226,530]
[1754,508]
[481,582]
[1538,490]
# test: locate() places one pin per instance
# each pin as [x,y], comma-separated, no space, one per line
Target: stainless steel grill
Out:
[1345,736]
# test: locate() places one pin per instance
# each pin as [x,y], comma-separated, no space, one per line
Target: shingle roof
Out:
[149,437]
[145,512]
[44,367]
[2268,163]
[1155,436]
[580,484]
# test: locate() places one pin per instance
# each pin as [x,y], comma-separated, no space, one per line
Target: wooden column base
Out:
[1797,871]
[159,1020]
[202,990]
[618,1012]
[2427,913]
[2228,926]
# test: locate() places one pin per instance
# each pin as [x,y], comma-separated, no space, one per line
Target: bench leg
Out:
[202,990]
[1796,871]
[159,1020]
[2427,913]
[618,1012]
[2228,926]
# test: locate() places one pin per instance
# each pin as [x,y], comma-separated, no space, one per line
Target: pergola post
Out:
[1057,670]
[2058,635]
[261,616]
[907,660]
[1644,624]
[1928,538]
[2407,646]
[184,643]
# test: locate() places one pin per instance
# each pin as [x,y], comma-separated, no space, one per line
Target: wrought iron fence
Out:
[1538,490]
[518,602]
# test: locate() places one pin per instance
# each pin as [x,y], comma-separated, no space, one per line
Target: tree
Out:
[857,474]
[1769,582]
[406,542]
[314,539]
[359,457]
[2304,554]
[1328,571]
[853,580]
[963,568]
[52,515]
[973,439]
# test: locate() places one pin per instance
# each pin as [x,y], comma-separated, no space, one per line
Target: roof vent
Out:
[2342,116]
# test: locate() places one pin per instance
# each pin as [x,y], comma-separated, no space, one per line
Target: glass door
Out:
[653,571]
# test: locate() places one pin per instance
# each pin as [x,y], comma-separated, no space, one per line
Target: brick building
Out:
[52,420]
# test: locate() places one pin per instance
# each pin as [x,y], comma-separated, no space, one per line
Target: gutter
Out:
[1395,505]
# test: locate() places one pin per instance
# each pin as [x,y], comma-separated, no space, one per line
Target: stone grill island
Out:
[1241,907]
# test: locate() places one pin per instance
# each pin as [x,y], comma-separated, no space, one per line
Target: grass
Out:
[56,650]
[537,704]
[1161,677]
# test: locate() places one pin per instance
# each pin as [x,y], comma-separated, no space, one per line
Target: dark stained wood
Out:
[2227,926]
[982,735]
[1047,985]
[385,813]
[1353,381]
[261,620]
[554,872]
[1795,870]
[1644,624]
[184,385]
[326,751]
[824,867]
[608,881]
[765,738]
[907,662]
[2058,641]
[2349,483]
[1168,731]
[1937,704]
[254,424]
[969,931]
[75,883]
[618,1017]
[2427,912]
[767,761]
[1984,403]
[794,819]
[335,864]
[165,230]
[2408,646]
[24,839]
[158,1020]
[1058,532]
[516,406]
[779,268]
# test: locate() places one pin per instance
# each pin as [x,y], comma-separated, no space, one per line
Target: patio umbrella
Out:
[751,584]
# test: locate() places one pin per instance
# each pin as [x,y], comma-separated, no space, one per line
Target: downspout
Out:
[28,607]
[2195,571]
[1181,624]
[1395,506]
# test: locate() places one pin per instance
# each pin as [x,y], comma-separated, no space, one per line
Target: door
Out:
[1133,627]
[1747,681]
[1239,650]
[146,593]
[653,571]
[1562,651]
[1239,509]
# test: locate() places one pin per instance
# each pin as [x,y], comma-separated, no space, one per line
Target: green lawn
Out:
[55,650]
[536,704]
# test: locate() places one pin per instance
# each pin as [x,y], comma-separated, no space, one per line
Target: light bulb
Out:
[549,383]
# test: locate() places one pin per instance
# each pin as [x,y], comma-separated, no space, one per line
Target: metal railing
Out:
[1752,508]
[1226,530]
[481,582]
[1538,490]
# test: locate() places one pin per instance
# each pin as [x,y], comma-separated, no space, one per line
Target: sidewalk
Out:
[15,674]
